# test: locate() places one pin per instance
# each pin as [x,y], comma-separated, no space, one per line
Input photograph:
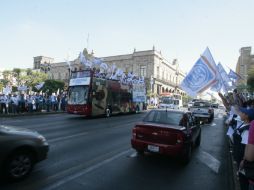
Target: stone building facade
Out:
[40,62]
[161,76]
[244,63]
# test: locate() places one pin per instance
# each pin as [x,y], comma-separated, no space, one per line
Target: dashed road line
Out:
[85,171]
[67,137]
[209,161]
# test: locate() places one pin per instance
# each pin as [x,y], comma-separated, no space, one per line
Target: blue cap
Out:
[249,112]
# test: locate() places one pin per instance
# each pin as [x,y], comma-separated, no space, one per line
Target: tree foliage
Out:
[250,79]
[1,85]
[33,78]
[51,86]
[4,82]
[7,74]
[16,73]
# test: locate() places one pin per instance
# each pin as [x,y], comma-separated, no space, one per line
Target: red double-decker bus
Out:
[89,95]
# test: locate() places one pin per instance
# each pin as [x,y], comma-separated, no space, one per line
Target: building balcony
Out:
[166,82]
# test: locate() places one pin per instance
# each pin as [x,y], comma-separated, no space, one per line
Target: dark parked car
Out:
[169,132]
[20,149]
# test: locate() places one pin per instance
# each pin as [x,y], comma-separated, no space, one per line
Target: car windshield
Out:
[164,117]
[202,104]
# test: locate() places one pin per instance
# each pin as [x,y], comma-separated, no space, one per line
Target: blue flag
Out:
[200,78]
[233,75]
[224,76]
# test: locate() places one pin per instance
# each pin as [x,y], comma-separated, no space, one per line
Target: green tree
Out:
[33,78]
[7,74]
[1,86]
[250,79]
[29,72]
[50,86]
[16,73]
[4,82]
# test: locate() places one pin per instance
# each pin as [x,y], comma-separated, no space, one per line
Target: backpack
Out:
[233,122]
[238,147]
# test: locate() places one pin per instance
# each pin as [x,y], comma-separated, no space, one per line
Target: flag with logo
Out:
[201,77]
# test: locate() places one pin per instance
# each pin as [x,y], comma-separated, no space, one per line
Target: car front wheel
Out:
[19,165]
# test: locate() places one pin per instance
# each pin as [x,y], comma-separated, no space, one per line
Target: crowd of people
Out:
[18,103]
[240,123]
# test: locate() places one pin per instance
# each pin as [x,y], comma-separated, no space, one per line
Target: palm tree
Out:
[16,73]
[7,74]
[29,72]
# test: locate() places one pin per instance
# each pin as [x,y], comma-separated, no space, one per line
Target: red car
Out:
[168,132]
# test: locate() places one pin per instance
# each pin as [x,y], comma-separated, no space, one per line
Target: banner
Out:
[22,88]
[7,90]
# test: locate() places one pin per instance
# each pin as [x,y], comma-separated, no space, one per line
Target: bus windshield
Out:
[166,100]
[81,74]
[78,95]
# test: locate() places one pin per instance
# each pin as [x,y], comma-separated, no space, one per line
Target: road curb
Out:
[233,165]
[30,114]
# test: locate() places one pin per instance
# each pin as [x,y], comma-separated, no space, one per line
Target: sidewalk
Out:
[43,112]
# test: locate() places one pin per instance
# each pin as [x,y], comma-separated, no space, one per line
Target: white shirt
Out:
[245,134]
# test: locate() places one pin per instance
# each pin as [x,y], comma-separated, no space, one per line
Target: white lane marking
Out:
[220,116]
[209,161]
[67,137]
[85,171]
[133,155]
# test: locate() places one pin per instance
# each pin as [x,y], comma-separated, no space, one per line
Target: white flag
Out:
[39,86]
[200,78]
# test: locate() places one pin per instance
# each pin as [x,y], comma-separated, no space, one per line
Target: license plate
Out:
[153,148]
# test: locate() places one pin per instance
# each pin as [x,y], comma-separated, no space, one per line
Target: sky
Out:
[180,29]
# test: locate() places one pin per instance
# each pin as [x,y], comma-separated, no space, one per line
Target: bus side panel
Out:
[119,97]
[114,96]
[99,96]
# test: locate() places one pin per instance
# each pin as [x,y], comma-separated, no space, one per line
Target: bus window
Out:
[176,102]
[78,95]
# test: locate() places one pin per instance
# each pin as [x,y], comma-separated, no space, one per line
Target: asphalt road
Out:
[96,154]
